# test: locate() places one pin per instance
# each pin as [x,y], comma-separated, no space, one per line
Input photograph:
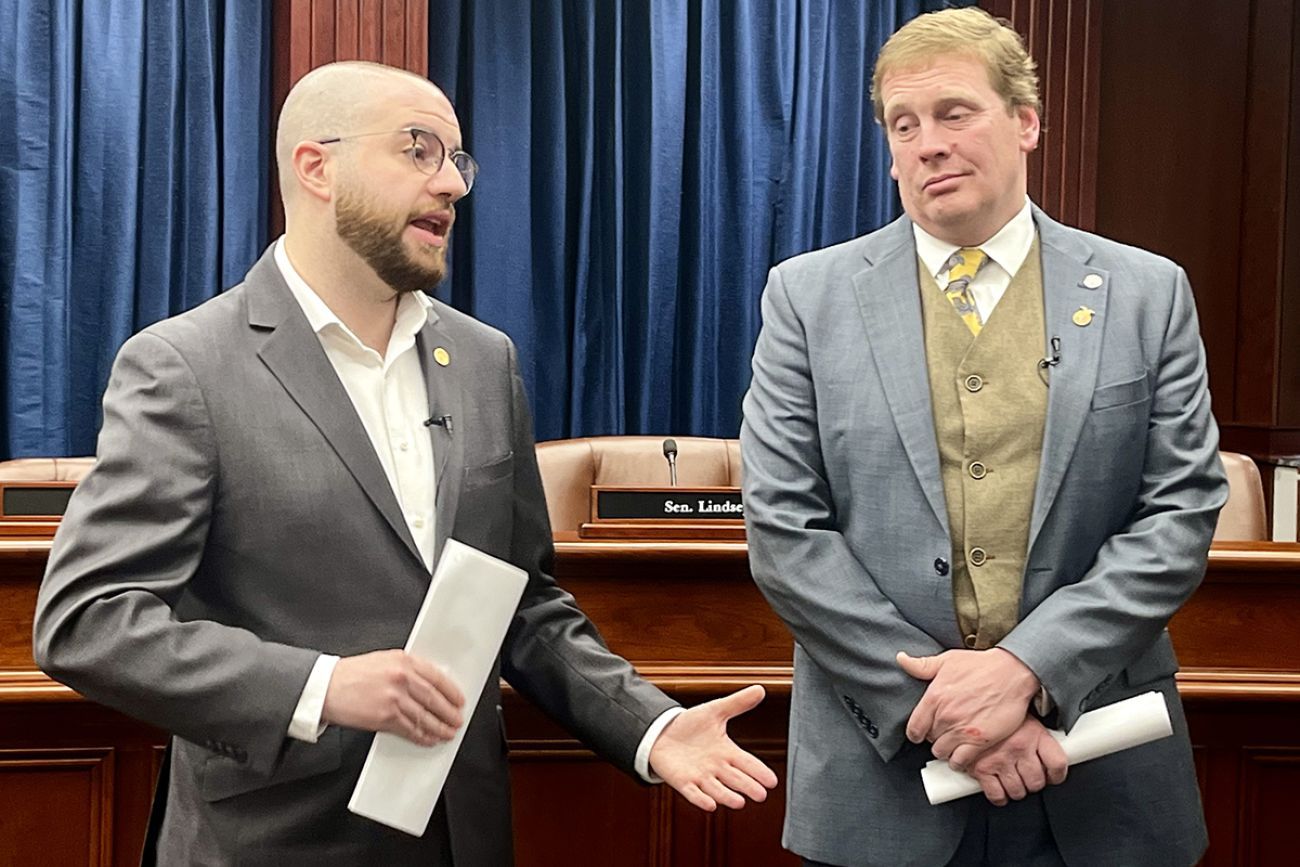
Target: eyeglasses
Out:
[427,152]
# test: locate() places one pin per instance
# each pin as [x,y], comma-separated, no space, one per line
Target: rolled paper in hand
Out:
[1119,726]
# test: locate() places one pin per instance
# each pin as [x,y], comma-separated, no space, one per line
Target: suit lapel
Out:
[1069,284]
[293,353]
[445,399]
[891,313]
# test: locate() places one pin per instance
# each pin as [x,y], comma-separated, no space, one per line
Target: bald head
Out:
[339,99]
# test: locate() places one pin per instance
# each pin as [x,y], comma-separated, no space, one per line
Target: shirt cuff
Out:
[642,763]
[1043,703]
[306,724]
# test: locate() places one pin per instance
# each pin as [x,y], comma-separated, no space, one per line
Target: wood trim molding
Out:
[28,687]
[1199,684]
[1064,38]
[704,682]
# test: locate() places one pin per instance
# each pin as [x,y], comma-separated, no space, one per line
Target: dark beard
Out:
[379,244]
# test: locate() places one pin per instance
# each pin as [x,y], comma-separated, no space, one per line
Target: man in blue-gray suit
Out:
[981,474]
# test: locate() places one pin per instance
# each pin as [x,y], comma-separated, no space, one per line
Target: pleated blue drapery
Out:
[644,164]
[133,184]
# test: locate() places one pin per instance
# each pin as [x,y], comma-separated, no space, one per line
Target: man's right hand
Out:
[392,691]
[1027,761]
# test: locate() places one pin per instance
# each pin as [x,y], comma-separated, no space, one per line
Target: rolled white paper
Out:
[1119,726]
[467,609]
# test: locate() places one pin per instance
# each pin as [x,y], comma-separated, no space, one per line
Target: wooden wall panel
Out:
[1269,782]
[310,33]
[1198,159]
[1285,68]
[57,806]
[1171,155]
[748,836]
[1263,198]
[601,810]
[1064,38]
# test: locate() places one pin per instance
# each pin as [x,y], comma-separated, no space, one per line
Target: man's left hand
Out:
[694,755]
[976,698]
[1024,763]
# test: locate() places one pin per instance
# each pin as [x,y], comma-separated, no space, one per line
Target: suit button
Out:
[970,641]
[940,565]
[978,556]
[974,383]
[978,470]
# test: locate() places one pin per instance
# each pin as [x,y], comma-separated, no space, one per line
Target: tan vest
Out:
[990,406]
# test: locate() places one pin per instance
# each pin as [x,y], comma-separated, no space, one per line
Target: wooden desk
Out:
[75,778]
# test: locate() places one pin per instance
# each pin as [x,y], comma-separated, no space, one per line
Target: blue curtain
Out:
[644,164]
[134,157]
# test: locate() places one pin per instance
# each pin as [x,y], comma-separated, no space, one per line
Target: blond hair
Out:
[970,33]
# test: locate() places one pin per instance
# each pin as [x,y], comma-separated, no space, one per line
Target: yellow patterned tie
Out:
[962,267]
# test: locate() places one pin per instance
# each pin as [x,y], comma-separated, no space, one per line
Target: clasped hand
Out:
[975,713]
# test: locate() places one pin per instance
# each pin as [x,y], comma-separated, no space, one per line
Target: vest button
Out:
[978,470]
[974,382]
[941,565]
[978,556]
[970,641]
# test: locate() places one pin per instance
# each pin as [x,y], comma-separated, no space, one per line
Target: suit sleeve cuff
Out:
[642,763]
[306,724]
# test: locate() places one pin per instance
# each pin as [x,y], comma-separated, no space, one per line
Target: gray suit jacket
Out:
[848,539]
[238,523]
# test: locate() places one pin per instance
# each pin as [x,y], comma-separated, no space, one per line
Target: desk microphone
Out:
[1044,363]
[442,421]
[670,452]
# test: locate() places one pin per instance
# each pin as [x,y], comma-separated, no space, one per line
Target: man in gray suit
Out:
[981,474]
[277,472]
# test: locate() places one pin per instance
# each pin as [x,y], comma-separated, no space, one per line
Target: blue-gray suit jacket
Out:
[847,527]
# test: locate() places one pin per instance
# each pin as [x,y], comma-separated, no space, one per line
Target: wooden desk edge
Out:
[695,681]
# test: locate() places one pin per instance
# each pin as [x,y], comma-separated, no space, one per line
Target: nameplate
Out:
[667,504]
[34,500]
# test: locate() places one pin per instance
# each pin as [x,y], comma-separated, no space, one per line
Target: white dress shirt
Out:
[389,396]
[388,393]
[1006,250]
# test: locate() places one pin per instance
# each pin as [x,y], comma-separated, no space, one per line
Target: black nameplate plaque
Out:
[34,501]
[667,505]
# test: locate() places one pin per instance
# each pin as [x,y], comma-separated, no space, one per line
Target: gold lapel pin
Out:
[1083,316]
[440,355]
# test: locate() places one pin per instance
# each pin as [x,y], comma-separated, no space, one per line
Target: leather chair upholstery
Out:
[570,467]
[45,469]
[1243,517]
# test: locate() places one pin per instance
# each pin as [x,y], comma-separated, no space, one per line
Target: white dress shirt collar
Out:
[412,313]
[1007,248]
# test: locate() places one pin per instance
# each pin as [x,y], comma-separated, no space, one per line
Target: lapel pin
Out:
[1092,281]
[1083,316]
[440,355]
